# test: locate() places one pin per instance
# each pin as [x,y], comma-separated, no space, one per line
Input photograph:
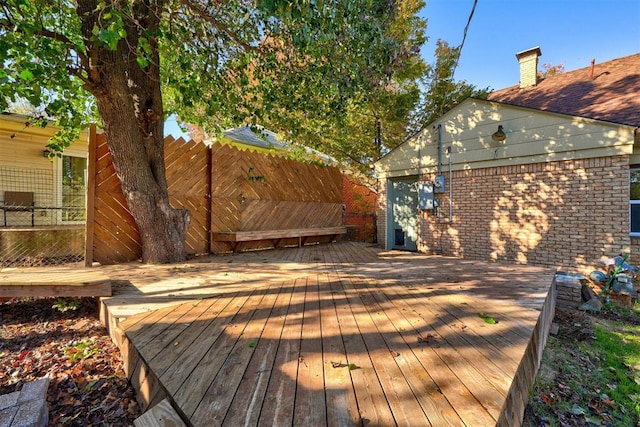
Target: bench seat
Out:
[235,237]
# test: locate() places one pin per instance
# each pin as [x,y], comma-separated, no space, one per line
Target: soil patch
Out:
[64,340]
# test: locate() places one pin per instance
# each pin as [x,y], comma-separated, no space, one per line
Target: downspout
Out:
[439,149]
[450,185]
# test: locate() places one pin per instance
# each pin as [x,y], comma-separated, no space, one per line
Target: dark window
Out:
[634,201]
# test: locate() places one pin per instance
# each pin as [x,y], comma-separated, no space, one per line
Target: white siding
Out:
[532,137]
[24,168]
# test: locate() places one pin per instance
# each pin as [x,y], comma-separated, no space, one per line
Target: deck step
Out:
[161,415]
[98,288]
[79,283]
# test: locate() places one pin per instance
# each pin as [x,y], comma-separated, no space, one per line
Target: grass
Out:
[590,373]
[620,349]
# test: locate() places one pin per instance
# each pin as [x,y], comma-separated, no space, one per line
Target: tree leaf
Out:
[26,75]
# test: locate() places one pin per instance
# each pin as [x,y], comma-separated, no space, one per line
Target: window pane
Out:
[635,218]
[73,188]
[634,184]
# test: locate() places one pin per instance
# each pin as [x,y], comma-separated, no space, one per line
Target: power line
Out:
[464,36]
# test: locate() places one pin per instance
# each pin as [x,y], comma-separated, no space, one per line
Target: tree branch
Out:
[218,25]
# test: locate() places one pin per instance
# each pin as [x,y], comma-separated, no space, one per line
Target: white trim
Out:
[58,184]
[632,202]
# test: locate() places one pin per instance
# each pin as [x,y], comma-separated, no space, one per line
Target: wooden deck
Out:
[336,335]
[340,334]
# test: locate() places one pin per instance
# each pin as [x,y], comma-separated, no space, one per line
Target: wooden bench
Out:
[302,234]
[18,201]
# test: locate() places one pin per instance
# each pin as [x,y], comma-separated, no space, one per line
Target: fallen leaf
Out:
[488,319]
[546,399]
[427,340]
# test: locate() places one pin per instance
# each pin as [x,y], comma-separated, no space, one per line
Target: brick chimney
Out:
[528,60]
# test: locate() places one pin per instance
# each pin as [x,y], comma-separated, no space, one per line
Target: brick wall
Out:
[381,214]
[564,214]
[360,209]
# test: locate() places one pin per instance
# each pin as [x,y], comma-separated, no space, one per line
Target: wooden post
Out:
[91,194]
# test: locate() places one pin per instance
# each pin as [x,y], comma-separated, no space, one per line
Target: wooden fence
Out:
[225,190]
[253,191]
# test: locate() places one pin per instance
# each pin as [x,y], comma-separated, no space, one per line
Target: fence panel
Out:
[114,235]
[253,191]
[225,189]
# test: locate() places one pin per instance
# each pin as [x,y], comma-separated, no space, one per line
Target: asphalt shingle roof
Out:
[613,95]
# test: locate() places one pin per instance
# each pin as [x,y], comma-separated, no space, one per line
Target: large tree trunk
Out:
[139,163]
[129,101]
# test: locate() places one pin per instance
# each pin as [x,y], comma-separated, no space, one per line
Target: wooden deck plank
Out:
[440,361]
[372,404]
[212,408]
[484,376]
[443,368]
[45,288]
[452,335]
[169,351]
[342,406]
[455,325]
[171,316]
[310,405]
[277,409]
[200,340]
[253,388]
[437,408]
[404,406]
[164,343]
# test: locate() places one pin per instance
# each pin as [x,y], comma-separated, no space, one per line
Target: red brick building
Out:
[547,172]
[360,204]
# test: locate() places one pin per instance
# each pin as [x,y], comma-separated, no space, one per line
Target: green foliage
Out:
[66,304]
[441,92]
[591,375]
[37,48]
[340,77]
[81,350]
[330,74]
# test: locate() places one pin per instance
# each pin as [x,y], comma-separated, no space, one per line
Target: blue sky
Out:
[569,32]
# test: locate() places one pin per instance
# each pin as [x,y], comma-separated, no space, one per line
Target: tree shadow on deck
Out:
[394,347]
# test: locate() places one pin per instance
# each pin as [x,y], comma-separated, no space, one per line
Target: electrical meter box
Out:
[438,184]
[425,196]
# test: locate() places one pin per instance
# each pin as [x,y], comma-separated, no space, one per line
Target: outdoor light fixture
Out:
[46,153]
[499,135]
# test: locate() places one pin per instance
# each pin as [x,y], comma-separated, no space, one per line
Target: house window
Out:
[634,201]
[73,188]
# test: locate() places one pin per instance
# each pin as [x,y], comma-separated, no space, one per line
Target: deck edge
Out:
[512,413]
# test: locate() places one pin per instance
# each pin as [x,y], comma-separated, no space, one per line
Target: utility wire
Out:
[464,36]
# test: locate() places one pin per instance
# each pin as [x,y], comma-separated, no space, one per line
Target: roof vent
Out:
[528,60]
